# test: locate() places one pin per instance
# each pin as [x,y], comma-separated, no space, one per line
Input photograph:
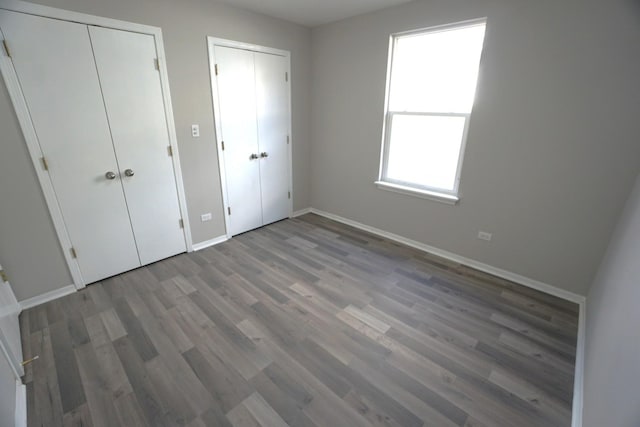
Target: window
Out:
[431,85]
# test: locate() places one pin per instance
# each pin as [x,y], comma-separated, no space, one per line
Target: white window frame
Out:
[409,188]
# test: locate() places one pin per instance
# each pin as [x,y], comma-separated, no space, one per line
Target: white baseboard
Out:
[66,290]
[516,278]
[21,405]
[504,274]
[210,242]
[301,212]
[47,296]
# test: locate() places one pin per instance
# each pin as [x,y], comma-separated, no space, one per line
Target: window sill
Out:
[423,194]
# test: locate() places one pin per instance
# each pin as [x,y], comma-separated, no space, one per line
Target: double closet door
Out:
[253,117]
[94,97]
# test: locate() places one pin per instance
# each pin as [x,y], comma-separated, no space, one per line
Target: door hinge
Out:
[170,150]
[74,254]
[289,194]
[222,145]
[229,210]
[287,139]
[3,276]
[45,165]
[286,77]
[6,48]
[156,63]
[181,222]
[216,69]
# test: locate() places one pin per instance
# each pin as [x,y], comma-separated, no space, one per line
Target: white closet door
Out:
[272,110]
[133,98]
[237,99]
[55,65]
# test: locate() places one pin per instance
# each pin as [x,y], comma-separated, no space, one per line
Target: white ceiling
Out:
[313,12]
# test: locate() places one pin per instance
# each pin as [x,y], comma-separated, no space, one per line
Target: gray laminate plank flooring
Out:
[305,322]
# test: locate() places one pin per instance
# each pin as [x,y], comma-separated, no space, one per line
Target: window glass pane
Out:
[436,72]
[424,150]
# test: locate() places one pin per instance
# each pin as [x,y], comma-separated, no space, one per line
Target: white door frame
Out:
[28,130]
[211,43]
[10,308]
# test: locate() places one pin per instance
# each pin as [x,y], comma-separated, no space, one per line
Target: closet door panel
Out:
[133,99]
[236,94]
[56,69]
[272,110]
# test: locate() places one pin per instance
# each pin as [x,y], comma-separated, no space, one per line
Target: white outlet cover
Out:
[483,235]
[205,217]
[195,131]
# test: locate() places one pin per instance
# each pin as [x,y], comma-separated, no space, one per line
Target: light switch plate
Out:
[195,131]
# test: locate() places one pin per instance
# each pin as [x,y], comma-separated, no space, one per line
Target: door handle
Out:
[264,154]
[253,156]
[128,172]
[110,175]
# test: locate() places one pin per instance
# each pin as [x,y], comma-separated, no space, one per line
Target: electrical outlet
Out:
[483,235]
[195,131]
[205,217]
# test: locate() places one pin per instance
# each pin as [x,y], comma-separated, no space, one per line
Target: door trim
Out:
[212,42]
[28,130]
[12,309]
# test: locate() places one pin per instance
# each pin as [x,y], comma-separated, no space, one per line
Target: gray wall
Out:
[29,249]
[612,346]
[553,144]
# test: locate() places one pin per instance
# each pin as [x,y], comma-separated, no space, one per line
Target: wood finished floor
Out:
[305,322]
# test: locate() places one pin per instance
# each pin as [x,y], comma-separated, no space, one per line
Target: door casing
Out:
[211,43]
[28,130]
[10,328]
